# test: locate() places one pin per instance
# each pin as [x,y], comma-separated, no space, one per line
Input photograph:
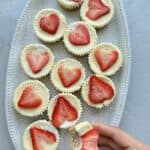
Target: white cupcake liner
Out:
[46,37]
[95,24]
[106,102]
[43,124]
[73,49]
[29,112]
[58,85]
[111,71]
[45,71]
[76,104]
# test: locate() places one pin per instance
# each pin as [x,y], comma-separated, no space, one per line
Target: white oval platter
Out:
[116,32]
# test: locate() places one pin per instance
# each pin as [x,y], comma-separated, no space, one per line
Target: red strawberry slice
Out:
[97,9]
[38,135]
[63,111]
[49,23]
[106,59]
[80,35]
[37,60]
[89,140]
[29,99]
[69,76]
[99,90]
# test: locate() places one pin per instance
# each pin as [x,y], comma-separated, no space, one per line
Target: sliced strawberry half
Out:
[90,140]
[29,99]
[37,60]
[49,23]
[39,135]
[63,111]
[80,35]
[96,9]
[69,76]
[99,90]
[106,59]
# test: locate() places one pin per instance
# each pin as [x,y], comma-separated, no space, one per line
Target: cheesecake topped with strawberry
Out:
[80,38]
[49,25]
[40,135]
[31,98]
[70,4]
[37,60]
[68,75]
[97,12]
[98,91]
[84,137]
[105,59]
[64,110]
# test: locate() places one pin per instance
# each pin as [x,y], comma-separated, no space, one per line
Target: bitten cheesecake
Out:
[84,136]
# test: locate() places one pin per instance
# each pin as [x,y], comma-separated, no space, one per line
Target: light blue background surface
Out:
[136,117]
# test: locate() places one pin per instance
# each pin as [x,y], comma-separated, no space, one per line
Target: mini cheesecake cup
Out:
[82,49]
[44,36]
[85,92]
[102,21]
[42,91]
[73,100]
[70,5]
[56,81]
[25,65]
[41,124]
[94,64]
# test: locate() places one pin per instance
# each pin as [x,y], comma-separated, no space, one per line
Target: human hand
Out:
[112,138]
